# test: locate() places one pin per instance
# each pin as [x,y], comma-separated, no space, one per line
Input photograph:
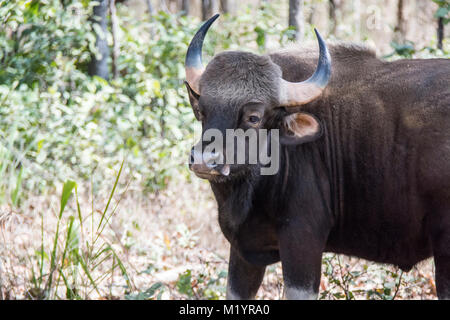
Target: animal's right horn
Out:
[193,65]
[298,93]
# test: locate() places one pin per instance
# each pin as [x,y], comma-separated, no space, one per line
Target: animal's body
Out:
[384,158]
[371,180]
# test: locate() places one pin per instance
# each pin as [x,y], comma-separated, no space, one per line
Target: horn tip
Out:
[318,34]
[212,19]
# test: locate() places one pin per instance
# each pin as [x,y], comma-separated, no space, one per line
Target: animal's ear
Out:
[193,99]
[300,127]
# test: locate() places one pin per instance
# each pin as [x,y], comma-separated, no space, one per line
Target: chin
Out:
[214,177]
[236,173]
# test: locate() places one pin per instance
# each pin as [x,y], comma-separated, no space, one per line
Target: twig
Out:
[397,287]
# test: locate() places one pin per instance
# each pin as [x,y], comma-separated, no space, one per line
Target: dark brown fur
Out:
[376,184]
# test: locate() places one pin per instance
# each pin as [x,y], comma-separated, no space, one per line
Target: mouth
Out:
[207,175]
[214,174]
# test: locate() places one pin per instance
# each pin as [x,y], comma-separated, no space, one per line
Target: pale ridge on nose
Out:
[196,157]
[208,158]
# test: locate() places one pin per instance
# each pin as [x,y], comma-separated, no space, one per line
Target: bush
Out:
[58,123]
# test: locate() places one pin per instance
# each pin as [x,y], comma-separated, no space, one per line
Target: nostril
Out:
[211,159]
[192,157]
[211,164]
[215,156]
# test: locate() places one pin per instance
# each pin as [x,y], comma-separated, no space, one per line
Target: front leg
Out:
[244,279]
[441,251]
[301,259]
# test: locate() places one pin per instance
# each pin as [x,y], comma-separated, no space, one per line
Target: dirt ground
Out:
[171,241]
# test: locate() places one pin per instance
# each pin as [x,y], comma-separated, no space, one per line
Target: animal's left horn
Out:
[193,65]
[299,93]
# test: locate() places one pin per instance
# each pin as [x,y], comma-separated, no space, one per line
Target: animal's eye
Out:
[254,119]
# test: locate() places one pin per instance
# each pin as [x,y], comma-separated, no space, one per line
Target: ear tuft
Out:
[300,127]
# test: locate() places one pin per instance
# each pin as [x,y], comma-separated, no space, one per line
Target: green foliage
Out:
[252,29]
[443,11]
[403,49]
[184,284]
[408,50]
[154,292]
[58,123]
[381,281]
[38,38]
[203,286]
[215,287]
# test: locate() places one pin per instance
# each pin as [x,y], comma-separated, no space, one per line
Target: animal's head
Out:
[241,90]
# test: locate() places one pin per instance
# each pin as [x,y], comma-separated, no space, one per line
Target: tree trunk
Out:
[99,67]
[150,8]
[114,31]
[185,7]
[224,6]
[440,33]
[207,9]
[399,28]
[312,11]
[296,18]
[332,15]
[163,6]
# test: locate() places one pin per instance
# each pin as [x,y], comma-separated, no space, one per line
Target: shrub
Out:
[58,123]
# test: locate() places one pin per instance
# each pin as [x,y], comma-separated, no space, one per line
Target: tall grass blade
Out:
[86,271]
[67,191]
[15,193]
[111,195]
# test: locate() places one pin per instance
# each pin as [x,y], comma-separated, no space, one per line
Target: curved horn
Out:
[193,65]
[299,93]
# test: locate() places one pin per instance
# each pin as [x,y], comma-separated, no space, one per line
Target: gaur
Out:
[364,160]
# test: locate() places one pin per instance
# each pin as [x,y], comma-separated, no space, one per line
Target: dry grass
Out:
[170,238]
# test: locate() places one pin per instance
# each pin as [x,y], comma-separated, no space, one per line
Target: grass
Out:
[77,244]
[79,258]
[123,245]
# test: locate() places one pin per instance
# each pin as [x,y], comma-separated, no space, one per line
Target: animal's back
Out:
[389,127]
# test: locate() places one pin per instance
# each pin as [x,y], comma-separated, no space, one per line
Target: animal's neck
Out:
[331,149]
[234,200]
